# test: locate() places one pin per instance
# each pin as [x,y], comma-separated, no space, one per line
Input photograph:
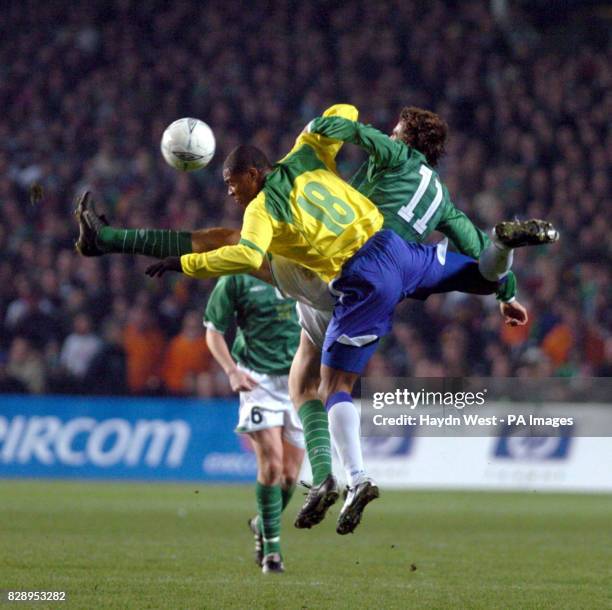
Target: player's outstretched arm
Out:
[385,151]
[246,256]
[325,147]
[206,240]
[465,235]
[228,260]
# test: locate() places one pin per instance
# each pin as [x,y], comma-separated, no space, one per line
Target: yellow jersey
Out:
[304,212]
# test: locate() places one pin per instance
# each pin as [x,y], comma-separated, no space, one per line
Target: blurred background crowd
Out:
[87,89]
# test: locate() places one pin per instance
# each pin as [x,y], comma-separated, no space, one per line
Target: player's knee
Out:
[337,381]
[271,470]
[289,479]
[291,471]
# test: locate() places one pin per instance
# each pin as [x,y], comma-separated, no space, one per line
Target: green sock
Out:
[287,495]
[150,242]
[316,433]
[269,507]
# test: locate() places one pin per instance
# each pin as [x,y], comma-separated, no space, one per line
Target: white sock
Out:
[344,429]
[495,260]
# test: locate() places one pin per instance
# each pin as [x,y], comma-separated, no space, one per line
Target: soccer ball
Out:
[188,144]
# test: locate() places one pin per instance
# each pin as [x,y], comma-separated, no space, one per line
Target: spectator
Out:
[187,356]
[8,383]
[144,345]
[527,104]
[26,365]
[213,383]
[107,371]
[80,347]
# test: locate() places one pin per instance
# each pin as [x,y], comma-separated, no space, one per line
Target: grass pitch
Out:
[187,546]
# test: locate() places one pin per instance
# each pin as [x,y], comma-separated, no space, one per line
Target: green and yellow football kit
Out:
[304,212]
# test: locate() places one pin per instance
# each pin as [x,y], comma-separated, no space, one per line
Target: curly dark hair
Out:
[425,131]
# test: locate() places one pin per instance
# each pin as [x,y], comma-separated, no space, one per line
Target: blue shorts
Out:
[385,270]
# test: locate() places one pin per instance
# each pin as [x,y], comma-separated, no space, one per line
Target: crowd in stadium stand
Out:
[86,91]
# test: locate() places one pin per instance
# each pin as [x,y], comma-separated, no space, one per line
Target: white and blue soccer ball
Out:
[188,144]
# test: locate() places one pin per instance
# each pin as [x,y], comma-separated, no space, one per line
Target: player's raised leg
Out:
[97,237]
[496,259]
[450,271]
[90,223]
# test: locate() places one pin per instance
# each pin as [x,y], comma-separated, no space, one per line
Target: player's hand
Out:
[171,263]
[240,381]
[514,313]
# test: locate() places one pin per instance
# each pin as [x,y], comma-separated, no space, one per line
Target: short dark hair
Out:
[244,157]
[425,131]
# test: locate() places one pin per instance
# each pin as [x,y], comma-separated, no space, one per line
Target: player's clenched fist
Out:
[514,313]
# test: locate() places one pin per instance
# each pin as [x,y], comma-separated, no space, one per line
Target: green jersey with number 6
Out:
[408,192]
[268,331]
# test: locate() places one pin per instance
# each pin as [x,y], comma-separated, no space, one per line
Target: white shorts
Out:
[269,406]
[314,322]
[301,284]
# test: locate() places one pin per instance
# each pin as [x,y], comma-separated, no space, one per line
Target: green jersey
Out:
[408,192]
[268,331]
